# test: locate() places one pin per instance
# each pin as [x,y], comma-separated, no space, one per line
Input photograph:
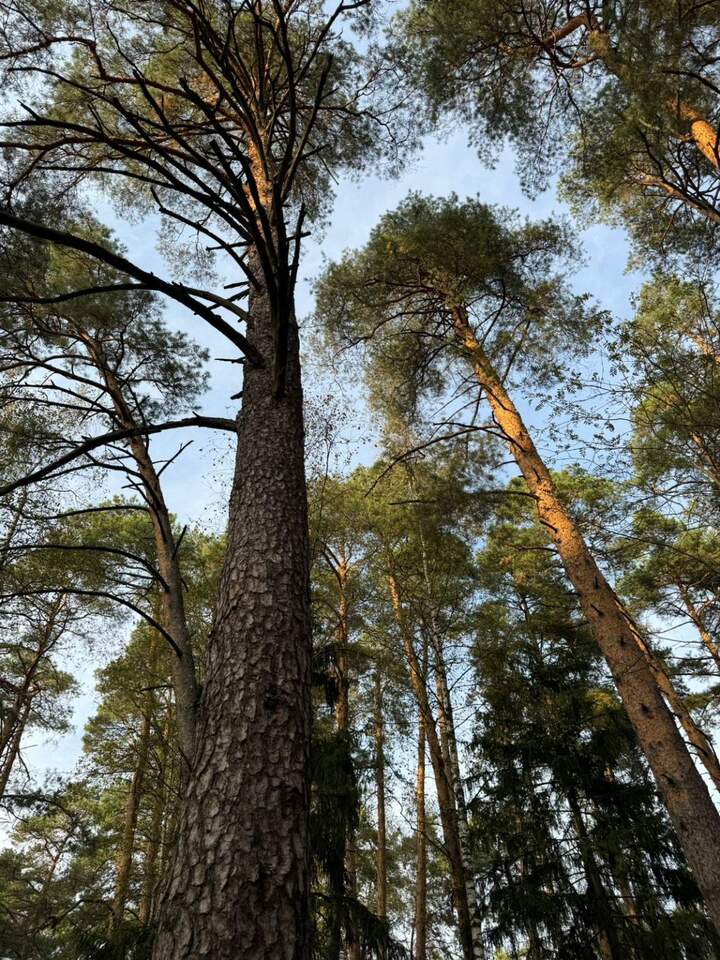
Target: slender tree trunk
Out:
[445,706]
[15,720]
[126,847]
[13,746]
[174,620]
[381,858]
[353,945]
[420,925]
[697,620]
[443,786]
[239,883]
[450,752]
[608,941]
[152,848]
[342,723]
[686,796]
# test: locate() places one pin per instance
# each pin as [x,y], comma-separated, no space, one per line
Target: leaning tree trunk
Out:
[686,796]
[697,619]
[172,602]
[238,886]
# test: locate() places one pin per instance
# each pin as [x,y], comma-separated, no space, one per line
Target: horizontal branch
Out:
[101,595]
[214,423]
[173,290]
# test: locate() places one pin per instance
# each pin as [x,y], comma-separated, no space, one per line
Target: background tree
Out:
[622,97]
[440,280]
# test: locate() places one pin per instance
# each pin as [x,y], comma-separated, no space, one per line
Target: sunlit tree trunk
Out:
[239,882]
[697,620]
[686,796]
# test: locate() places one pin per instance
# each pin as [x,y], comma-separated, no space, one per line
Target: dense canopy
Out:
[359,533]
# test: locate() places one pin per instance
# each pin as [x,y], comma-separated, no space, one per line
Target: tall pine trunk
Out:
[381,854]
[420,925]
[446,709]
[238,885]
[450,751]
[697,619]
[443,785]
[148,898]
[686,796]
[342,724]
[126,847]
[172,602]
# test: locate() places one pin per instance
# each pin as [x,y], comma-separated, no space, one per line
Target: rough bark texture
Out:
[238,886]
[681,786]
[443,787]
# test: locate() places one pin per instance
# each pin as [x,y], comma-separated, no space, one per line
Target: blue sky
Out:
[197,484]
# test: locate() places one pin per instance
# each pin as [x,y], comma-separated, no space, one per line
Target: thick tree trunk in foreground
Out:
[443,786]
[238,886]
[686,796]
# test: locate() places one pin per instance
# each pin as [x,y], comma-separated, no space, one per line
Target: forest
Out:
[359,480]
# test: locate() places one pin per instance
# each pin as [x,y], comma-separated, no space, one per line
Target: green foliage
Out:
[560,777]
[398,295]
[604,92]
